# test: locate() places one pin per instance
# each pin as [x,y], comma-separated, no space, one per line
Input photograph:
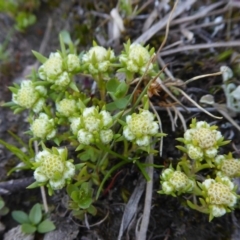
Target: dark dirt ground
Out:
[170,219]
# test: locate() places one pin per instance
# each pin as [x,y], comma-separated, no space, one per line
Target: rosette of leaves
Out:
[81,200]
[34,221]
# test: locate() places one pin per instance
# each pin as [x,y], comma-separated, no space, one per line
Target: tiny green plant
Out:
[34,221]
[21,12]
[3,209]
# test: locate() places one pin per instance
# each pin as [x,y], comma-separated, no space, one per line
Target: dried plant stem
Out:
[43,193]
[163,22]
[201,46]
[142,233]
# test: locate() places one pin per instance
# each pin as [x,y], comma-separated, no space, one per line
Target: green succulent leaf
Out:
[20,217]
[28,228]
[46,226]
[35,214]
[39,57]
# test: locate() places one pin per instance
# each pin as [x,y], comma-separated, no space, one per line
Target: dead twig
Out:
[201,46]
[163,22]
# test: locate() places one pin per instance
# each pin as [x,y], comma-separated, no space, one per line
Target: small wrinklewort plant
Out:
[63,117]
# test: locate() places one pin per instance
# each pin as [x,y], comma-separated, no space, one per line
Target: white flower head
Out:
[128,134]
[218,159]
[211,152]
[26,95]
[194,153]
[43,127]
[63,79]
[75,124]
[84,137]
[217,211]
[167,173]
[143,141]
[106,118]
[73,62]
[52,68]
[53,168]
[167,188]
[140,127]
[69,170]
[106,136]
[66,107]
[89,111]
[208,182]
[57,184]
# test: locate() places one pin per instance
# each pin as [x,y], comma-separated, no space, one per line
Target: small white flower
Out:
[52,67]
[69,170]
[106,136]
[188,135]
[106,118]
[128,118]
[75,124]
[39,175]
[92,123]
[218,211]
[57,184]
[66,107]
[42,90]
[167,188]
[43,127]
[38,106]
[194,153]
[84,137]
[73,62]
[143,141]
[211,152]
[167,173]
[227,182]
[88,111]
[128,134]
[154,129]
[201,124]
[148,115]
[63,80]
[218,135]
[218,159]
[207,183]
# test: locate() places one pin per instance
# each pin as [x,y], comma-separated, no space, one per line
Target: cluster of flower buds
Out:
[53,168]
[136,59]
[29,96]
[217,195]
[202,141]
[220,196]
[92,126]
[58,70]
[140,128]
[175,182]
[43,127]
[227,166]
[98,60]
[67,107]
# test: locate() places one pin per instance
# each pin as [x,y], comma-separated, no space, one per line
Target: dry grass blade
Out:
[201,46]
[193,102]
[142,233]
[163,22]
[131,207]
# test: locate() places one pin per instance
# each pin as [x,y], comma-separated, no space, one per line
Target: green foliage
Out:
[34,221]
[21,12]
[3,209]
